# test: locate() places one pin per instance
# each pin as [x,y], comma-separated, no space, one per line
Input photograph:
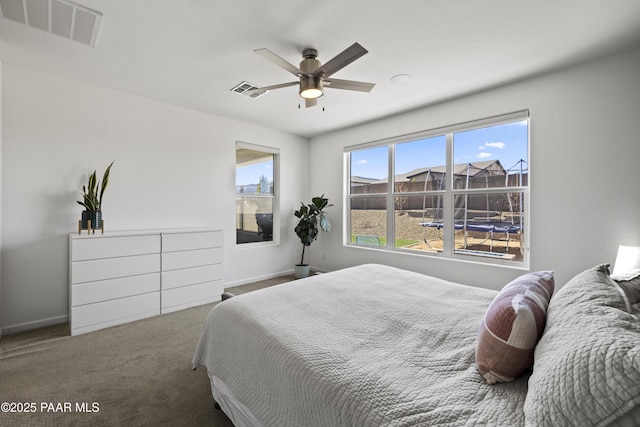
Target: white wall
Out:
[173,168]
[585,170]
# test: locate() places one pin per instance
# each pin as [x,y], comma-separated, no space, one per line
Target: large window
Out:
[256,179]
[460,191]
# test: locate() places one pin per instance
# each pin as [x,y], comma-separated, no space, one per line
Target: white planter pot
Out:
[301,271]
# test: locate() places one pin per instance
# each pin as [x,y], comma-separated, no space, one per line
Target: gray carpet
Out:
[136,374]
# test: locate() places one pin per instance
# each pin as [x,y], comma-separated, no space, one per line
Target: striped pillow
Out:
[512,326]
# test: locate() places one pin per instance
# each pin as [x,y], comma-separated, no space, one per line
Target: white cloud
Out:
[499,145]
[483,155]
[361,162]
[482,147]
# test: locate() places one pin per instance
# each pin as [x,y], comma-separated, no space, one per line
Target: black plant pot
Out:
[93,218]
[84,221]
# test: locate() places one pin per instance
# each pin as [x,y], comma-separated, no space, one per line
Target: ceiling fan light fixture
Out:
[310,87]
[312,76]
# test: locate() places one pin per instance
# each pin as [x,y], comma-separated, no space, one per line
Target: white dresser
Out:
[119,277]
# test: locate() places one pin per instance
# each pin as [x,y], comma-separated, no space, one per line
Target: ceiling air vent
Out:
[61,17]
[245,86]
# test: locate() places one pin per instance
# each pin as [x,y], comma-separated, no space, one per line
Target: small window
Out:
[489,190]
[368,204]
[256,190]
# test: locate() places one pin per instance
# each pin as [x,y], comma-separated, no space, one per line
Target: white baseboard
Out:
[35,324]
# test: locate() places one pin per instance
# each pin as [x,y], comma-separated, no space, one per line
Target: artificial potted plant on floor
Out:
[92,200]
[312,220]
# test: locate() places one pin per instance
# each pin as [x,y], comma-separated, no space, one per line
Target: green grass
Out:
[383,241]
[404,242]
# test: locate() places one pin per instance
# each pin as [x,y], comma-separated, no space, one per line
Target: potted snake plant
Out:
[92,200]
[312,220]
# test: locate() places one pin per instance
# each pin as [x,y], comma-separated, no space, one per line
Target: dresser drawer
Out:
[111,268]
[104,290]
[189,296]
[187,259]
[191,276]
[172,242]
[113,312]
[107,247]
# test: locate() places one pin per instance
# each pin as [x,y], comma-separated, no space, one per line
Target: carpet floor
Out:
[136,374]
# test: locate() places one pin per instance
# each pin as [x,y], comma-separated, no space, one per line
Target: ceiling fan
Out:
[314,76]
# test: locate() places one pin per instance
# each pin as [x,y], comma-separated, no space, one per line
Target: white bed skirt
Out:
[238,413]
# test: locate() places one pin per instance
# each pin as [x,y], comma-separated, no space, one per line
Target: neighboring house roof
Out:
[458,169]
[474,169]
[363,180]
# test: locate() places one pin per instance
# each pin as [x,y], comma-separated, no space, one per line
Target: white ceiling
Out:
[192,52]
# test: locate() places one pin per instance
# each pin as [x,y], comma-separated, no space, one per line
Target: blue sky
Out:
[251,174]
[507,143]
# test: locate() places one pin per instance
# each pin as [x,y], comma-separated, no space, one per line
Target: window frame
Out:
[275,197]
[449,193]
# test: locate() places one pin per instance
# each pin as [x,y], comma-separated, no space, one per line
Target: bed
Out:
[374,345]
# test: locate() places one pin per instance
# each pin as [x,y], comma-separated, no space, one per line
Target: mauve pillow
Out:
[512,326]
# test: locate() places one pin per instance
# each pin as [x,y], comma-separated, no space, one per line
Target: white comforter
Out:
[364,346]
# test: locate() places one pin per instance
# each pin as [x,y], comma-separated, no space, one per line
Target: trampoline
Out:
[486,216]
[485,227]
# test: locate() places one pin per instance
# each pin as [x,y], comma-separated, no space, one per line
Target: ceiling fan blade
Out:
[270,56]
[310,102]
[349,85]
[341,60]
[272,87]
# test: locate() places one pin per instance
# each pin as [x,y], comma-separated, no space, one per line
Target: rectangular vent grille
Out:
[60,17]
[243,87]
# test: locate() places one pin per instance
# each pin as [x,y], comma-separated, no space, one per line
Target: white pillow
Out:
[586,368]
